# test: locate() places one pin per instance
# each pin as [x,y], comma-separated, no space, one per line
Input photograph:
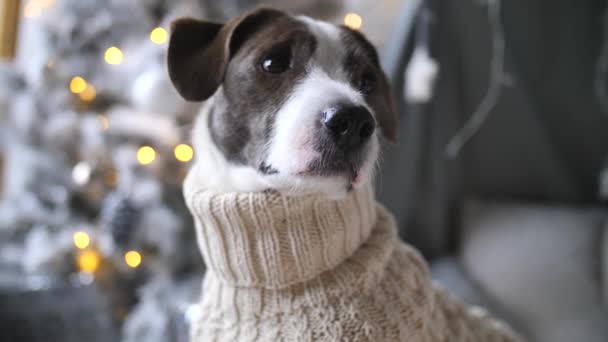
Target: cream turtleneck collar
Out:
[272,240]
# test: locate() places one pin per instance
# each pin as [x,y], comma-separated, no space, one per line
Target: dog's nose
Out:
[349,125]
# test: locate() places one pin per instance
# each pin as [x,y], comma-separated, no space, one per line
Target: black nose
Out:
[349,125]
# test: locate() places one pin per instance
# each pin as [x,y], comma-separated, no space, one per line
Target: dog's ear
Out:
[388,120]
[386,113]
[199,51]
[195,58]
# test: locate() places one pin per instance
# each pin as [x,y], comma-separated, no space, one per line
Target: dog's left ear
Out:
[199,51]
[388,120]
[386,113]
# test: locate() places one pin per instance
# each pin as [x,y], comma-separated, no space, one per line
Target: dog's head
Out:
[297,100]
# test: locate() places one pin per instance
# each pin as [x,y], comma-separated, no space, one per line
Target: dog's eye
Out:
[277,62]
[367,84]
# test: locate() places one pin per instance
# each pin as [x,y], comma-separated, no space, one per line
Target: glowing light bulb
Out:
[81,173]
[89,93]
[81,240]
[78,85]
[146,155]
[353,20]
[46,3]
[183,152]
[132,259]
[158,35]
[88,261]
[32,9]
[113,56]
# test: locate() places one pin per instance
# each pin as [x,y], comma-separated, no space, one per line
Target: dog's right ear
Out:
[199,51]
[195,58]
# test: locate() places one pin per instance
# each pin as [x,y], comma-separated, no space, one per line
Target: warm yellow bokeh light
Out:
[183,152]
[89,93]
[81,240]
[88,261]
[353,20]
[46,3]
[146,155]
[158,35]
[32,9]
[103,121]
[113,55]
[132,259]
[78,85]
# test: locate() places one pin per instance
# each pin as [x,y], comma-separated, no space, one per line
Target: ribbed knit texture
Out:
[307,268]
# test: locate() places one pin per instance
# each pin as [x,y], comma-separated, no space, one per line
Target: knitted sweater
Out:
[307,268]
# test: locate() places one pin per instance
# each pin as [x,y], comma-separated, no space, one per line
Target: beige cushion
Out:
[541,264]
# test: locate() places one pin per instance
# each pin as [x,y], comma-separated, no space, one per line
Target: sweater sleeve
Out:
[467,323]
[446,317]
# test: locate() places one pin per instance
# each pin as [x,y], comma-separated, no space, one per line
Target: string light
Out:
[498,78]
[89,93]
[78,85]
[133,259]
[353,21]
[81,173]
[146,155]
[81,240]
[88,261]
[103,121]
[113,55]
[158,35]
[183,152]
[46,3]
[32,9]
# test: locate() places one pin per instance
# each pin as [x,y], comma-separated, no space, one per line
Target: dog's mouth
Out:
[323,165]
[334,168]
[267,169]
[354,171]
[317,168]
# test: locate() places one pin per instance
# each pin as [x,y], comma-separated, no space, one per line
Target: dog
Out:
[280,120]
[287,142]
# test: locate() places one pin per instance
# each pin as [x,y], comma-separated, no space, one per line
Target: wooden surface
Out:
[9,15]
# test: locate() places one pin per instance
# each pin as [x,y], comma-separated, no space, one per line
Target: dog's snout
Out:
[349,125]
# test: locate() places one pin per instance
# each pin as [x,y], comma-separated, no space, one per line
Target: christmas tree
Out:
[95,146]
[94,143]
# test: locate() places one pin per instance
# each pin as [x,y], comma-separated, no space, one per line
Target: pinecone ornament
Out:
[121,216]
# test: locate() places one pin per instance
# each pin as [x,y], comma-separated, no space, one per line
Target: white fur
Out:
[211,169]
[290,149]
[291,146]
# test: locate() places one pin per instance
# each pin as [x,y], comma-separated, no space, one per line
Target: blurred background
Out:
[500,177]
